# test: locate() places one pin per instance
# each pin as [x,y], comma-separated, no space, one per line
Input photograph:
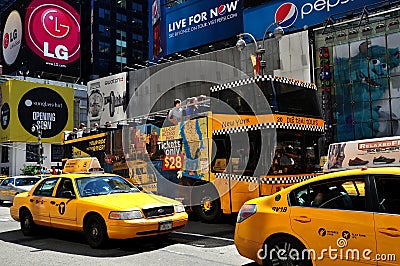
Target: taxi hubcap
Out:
[95,232]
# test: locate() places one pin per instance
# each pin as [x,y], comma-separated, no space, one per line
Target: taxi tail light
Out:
[246,211]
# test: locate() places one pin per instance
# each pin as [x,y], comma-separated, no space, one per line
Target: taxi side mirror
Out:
[140,187]
[68,194]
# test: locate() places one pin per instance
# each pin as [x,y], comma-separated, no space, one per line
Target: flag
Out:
[255,60]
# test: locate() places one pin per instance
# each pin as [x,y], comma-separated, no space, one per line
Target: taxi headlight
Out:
[246,211]
[127,215]
[179,208]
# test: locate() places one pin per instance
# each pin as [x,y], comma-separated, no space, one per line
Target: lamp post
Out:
[37,128]
[260,50]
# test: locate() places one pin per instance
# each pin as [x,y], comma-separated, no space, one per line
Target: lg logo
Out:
[58,38]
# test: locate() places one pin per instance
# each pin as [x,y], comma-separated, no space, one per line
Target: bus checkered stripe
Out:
[242,82]
[284,180]
[267,126]
[249,179]
[264,180]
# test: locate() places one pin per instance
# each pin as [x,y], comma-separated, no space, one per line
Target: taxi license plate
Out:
[165,225]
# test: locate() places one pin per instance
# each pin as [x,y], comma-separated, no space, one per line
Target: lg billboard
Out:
[41,36]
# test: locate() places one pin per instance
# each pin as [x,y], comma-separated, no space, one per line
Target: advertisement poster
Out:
[191,24]
[368,152]
[25,108]
[296,14]
[107,100]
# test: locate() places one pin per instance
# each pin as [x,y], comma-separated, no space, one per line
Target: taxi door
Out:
[338,231]
[39,202]
[63,205]
[387,219]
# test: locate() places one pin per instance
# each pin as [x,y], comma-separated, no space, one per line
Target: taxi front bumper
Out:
[124,229]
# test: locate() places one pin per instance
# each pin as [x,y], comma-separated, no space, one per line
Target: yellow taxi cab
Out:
[103,206]
[349,217]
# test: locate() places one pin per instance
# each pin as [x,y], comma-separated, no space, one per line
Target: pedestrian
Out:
[54,170]
[175,115]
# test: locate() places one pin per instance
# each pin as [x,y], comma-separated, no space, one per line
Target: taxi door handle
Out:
[52,202]
[302,219]
[392,232]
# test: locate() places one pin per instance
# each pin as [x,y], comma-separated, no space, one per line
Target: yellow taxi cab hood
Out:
[127,201]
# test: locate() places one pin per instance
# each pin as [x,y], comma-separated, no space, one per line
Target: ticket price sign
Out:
[172,162]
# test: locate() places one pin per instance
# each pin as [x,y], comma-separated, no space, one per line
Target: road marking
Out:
[213,237]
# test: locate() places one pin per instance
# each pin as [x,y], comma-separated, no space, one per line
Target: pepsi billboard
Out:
[191,24]
[295,14]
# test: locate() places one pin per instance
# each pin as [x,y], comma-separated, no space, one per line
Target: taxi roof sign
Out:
[82,165]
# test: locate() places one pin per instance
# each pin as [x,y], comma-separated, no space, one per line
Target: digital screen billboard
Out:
[52,33]
[191,24]
[41,36]
[295,14]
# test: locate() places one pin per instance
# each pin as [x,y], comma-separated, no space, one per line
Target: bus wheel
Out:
[209,209]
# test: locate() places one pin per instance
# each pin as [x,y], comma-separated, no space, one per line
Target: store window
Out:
[364,99]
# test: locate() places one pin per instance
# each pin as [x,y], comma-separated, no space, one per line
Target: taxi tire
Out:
[96,231]
[281,242]
[28,226]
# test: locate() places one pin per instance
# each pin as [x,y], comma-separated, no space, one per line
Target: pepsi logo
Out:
[222,10]
[286,15]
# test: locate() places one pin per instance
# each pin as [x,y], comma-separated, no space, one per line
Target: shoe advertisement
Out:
[367,152]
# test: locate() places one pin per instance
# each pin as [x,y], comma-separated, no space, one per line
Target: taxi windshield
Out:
[103,185]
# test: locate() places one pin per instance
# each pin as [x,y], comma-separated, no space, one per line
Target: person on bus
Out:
[286,161]
[203,107]
[192,108]
[175,115]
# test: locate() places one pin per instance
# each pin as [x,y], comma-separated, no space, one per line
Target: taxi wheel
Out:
[287,248]
[28,226]
[96,231]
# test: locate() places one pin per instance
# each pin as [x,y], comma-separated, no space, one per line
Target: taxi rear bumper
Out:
[125,229]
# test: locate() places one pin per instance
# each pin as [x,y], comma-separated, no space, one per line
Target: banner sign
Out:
[295,14]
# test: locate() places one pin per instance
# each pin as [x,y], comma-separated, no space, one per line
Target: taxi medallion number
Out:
[165,225]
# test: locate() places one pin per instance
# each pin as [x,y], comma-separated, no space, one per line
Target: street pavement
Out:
[197,244]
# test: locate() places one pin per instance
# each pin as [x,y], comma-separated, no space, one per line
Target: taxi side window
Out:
[348,194]
[65,185]
[46,187]
[388,194]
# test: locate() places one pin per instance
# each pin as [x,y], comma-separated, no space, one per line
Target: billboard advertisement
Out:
[52,33]
[107,100]
[24,106]
[12,43]
[295,14]
[41,36]
[191,24]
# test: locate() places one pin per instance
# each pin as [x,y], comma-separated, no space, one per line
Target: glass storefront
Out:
[366,85]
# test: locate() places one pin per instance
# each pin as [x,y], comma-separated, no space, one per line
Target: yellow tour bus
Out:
[246,139]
